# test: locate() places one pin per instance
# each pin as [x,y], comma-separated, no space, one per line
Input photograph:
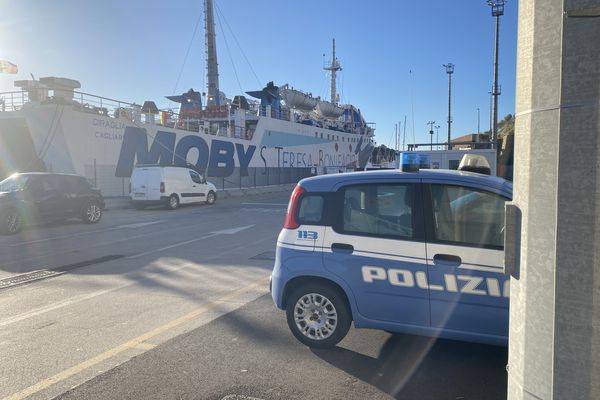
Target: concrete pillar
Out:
[554,350]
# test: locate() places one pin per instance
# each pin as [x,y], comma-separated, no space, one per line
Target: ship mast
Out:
[333,68]
[212,67]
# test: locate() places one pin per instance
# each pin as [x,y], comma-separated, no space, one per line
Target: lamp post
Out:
[497,7]
[437,136]
[431,123]
[449,70]
[478,131]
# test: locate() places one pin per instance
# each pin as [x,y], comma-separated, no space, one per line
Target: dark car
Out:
[38,197]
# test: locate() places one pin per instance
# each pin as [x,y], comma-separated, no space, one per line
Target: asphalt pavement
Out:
[175,305]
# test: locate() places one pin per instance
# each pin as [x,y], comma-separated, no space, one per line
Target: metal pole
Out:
[478,130]
[497,7]
[431,124]
[496,92]
[449,71]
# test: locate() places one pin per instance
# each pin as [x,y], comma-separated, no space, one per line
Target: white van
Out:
[169,186]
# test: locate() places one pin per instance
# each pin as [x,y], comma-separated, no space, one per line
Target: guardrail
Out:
[13,101]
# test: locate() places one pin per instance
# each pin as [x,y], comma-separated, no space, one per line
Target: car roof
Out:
[330,183]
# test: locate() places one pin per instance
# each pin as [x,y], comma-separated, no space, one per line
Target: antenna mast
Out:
[333,68]
[212,67]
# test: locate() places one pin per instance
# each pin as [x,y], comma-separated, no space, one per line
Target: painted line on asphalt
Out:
[55,306]
[133,343]
[139,224]
[71,235]
[264,204]
[231,231]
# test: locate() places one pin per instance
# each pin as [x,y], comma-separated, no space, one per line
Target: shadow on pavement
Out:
[415,367]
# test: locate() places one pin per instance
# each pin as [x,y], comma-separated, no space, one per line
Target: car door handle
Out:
[447,259]
[342,247]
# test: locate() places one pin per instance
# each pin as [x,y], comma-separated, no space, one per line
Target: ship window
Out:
[328,136]
[321,135]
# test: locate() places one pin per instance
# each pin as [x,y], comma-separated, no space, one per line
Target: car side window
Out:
[195,177]
[468,216]
[40,186]
[311,209]
[71,184]
[379,210]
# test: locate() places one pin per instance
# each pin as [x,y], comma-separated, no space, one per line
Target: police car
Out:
[414,252]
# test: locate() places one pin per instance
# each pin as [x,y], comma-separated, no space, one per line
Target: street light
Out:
[449,70]
[437,136]
[497,7]
[478,131]
[431,123]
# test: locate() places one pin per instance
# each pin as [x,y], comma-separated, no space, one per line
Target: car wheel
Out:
[173,202]
[92,213]
[211,197]
[318,315]
[12,222]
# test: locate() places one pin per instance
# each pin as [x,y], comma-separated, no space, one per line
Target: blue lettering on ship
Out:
[218,161]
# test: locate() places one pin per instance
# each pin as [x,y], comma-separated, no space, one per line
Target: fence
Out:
[260,176]
[103,177]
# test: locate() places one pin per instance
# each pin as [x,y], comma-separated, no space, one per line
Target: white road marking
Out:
[264,204]
[57,305]
[230,231]
[137,225]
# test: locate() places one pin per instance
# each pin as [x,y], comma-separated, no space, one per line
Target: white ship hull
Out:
[104,149]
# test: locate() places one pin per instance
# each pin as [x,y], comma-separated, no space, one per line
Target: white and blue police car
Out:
[416,252]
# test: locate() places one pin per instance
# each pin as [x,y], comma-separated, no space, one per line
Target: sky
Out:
[392,53]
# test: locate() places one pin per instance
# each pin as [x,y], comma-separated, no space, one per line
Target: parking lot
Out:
[175,304]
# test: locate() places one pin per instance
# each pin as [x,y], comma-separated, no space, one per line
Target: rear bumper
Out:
[163,200]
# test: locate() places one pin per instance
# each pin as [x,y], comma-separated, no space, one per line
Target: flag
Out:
[6,67]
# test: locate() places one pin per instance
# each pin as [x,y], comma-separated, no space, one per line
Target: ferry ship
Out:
[49,125]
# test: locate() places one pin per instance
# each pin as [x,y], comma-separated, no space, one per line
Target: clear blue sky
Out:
[133,51]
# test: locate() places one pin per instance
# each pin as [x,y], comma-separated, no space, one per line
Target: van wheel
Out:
[12,222]
[91,213]
[211,197]
[318,315]
[173,202]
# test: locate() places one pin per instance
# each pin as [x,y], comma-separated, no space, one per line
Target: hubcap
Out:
[13,223]
[211,198]
[315,316]
[173,202]
[93,213]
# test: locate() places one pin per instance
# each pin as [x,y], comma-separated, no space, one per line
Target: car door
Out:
[45,199]
[198,188]
[465,232]
[376,246]
[70,192]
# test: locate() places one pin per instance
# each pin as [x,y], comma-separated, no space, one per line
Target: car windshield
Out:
[13,183]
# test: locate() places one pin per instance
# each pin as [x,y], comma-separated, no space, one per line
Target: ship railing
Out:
[104,106]
[13,101]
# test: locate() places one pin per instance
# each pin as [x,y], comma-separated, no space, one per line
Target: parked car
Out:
[411,252]
[38,196]
[169,186]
